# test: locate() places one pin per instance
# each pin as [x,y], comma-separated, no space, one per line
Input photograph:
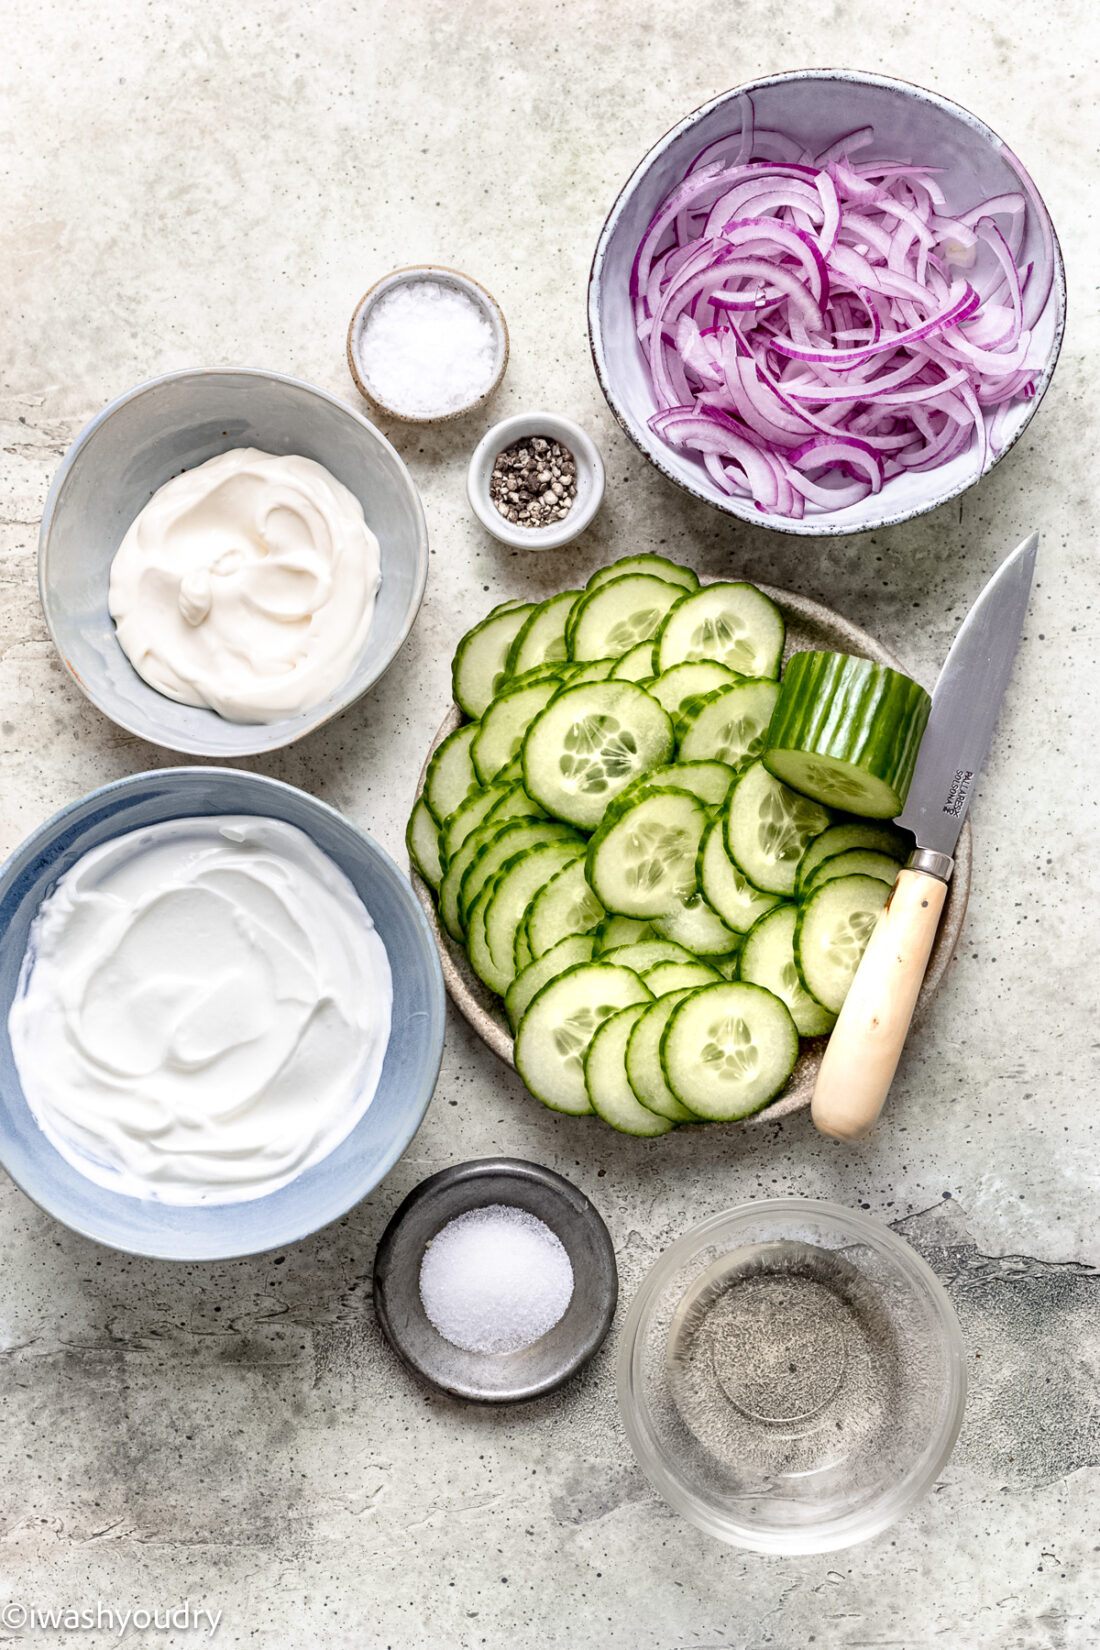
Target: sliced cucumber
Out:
[541,637]
[733,623]
[644,855]
[725,886]
[422,841]
[857,862]
[728,726]
[450,775]
[568,953]
[678,976]
[709,781]
[767,828]
[615,931]
[728,966]
[635,666]
[846,732]
[693,922]
[500,801]
[646,954]
[831,935]
[767,959]
[512,835]
[565,906]
[516,835]
[728,1049]
[616,616]
[559,1023]
[481,660]
[522,955]
[504,725]
[643,1060]
[840,838]
[692,680]
[609,1087]
[589,743]
[514,888]
[645,563]
[596,670]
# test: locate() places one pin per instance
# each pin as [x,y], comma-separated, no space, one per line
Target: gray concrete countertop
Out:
[196,184]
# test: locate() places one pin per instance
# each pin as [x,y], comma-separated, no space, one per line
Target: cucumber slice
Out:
[645,954]
[522,955]
[596,670]
[541,637]
[725,886]
[728,726]
[609,1087]
[635,666]
[480,662]
[767,829]
[568,953]
[692,680]
[644,854]
[679,976]
[504,726]
[450,775]
[565,906]
[643,1060]
[831,935]
[616,616]
[728,1049]
[514,887]
[767,959]
[728,966]
[659,565]
[422,841]
[709,781]
[500,802]
[839,839]
[857,862]
[614,931]
[559,1023]
[589,743]
[846,732]
[732,623]
[477,944]
[516,835]
[693,923]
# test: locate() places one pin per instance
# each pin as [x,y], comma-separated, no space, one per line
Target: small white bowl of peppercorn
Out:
[535,481]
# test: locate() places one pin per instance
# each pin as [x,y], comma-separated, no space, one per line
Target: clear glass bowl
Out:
[791,1376]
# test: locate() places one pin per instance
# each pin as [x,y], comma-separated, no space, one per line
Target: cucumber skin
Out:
[853,710]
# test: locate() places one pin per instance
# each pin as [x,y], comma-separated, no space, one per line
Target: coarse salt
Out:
[427,349]
[495,1279]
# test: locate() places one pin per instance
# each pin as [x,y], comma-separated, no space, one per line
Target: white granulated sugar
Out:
[427,349]
[495,1279]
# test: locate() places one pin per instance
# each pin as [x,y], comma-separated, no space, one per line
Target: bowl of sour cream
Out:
[221,1014]
[228,558]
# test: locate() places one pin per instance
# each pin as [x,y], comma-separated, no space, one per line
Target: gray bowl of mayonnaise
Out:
[228,558]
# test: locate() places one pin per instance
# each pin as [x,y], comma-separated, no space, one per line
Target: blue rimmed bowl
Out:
[139,442]
[320,1194]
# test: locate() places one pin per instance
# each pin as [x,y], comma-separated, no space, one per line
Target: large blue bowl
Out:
[409,1072]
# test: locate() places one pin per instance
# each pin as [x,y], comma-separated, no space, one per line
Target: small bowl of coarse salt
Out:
[427,343]
[535,481]
[495,1280]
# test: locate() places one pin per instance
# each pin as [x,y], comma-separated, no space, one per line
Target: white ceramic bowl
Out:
[815,106]
[590,480]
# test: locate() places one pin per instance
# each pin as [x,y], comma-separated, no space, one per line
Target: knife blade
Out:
[865,1044]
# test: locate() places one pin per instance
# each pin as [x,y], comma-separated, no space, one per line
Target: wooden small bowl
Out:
[810,626]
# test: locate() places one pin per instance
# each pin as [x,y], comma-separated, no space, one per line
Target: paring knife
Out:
[865,1044]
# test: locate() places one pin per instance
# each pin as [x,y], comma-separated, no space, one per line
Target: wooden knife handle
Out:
[866,1042]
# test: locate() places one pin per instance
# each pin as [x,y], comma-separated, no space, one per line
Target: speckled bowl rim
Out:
[812,527]
[405,276]
[475,1003]
[517,427]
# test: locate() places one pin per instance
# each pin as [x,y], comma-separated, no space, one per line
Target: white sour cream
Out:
[203,1010]
[247,585]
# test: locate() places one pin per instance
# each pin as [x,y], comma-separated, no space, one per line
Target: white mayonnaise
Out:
[247,585]
[203,1010]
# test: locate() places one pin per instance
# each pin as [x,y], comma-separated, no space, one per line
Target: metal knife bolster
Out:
[931,863]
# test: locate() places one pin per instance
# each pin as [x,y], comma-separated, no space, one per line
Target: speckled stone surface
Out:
[198,184]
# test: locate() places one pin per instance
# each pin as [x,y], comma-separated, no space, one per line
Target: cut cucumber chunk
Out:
[689,681]
[565,906]
[635,666]
[504,726]
[643,1060]
[728,1049]
[568,953]
[481,660]
[857,862]
[559,1023]
[725,886]
[589,743]
[615,931]
[846,732]
[422,841]
[541,637]
[616,616]
[840,838]
[831,935]
[659,565]
[450,775]
[516,835]
[644,855]
[767,959]
[767,828]
[732,623]
[694,923]
[679,976]
[609,1087]
[646,954]
[514,888]
[728,726]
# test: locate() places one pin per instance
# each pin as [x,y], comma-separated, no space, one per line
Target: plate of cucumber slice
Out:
[633,908]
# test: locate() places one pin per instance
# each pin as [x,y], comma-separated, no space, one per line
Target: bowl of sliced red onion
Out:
[826,302]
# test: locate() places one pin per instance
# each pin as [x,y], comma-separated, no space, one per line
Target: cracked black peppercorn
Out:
[534,481]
